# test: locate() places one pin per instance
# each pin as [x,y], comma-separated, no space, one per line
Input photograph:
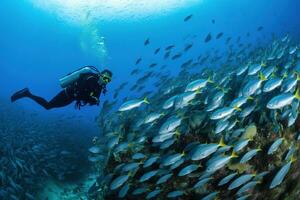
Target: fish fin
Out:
[292,159]
[298,76]
[155,122]
[226,90]
[237,108]
[130,145]
[250,98]
[273,75]
[198,91]
[263,64]
[285,75]
[259,149]
[131,173]
[146,100]
[261,76]
[297,94]
[233,155]
[221,143]
[209,80]
[217,86]
[177,133]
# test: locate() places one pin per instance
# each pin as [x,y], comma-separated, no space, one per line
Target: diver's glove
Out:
[94,100]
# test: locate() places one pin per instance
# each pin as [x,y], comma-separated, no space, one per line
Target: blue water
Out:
[37,47]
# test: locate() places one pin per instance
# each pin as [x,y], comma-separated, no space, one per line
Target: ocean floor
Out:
[55,190]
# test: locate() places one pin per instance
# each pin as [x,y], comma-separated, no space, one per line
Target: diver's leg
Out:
[60,100]
[40,100]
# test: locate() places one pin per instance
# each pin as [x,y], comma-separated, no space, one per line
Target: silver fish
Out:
[119,181]
[123,191]
[240,181]
[148,175]
[247,187]
[188,169]
[164,179]
[202,182]
[153,194]
[172,159]
[197,84]
[174,194]
[280,175]
[249,155]
[226,179]
[275,146]
[129,105]
[282,100]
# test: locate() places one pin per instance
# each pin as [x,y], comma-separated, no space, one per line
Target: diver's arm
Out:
[95,90]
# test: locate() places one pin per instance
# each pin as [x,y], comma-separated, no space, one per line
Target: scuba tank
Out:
[73,76]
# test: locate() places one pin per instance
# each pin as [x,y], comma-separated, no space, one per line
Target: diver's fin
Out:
[20,94]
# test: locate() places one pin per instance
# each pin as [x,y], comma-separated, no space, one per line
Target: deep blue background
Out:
[37,48]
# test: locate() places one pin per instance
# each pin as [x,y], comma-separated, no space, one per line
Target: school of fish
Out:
[206,133]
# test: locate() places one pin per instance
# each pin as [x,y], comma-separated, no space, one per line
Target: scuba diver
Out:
[84,86]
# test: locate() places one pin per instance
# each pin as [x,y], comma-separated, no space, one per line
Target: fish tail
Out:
[233,155]
[259,148]
[198,91]
[261,76]
[250,98]
[292,159]
[297,94]
[130,174]
[273,75]
[221,143]
[226,90]
[298,77]
[209,80]
[237,108]
[130,145]
[146,100]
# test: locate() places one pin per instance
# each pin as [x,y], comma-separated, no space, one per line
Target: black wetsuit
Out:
[85,90]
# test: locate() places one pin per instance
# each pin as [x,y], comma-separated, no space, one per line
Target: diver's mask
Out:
[105,78]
